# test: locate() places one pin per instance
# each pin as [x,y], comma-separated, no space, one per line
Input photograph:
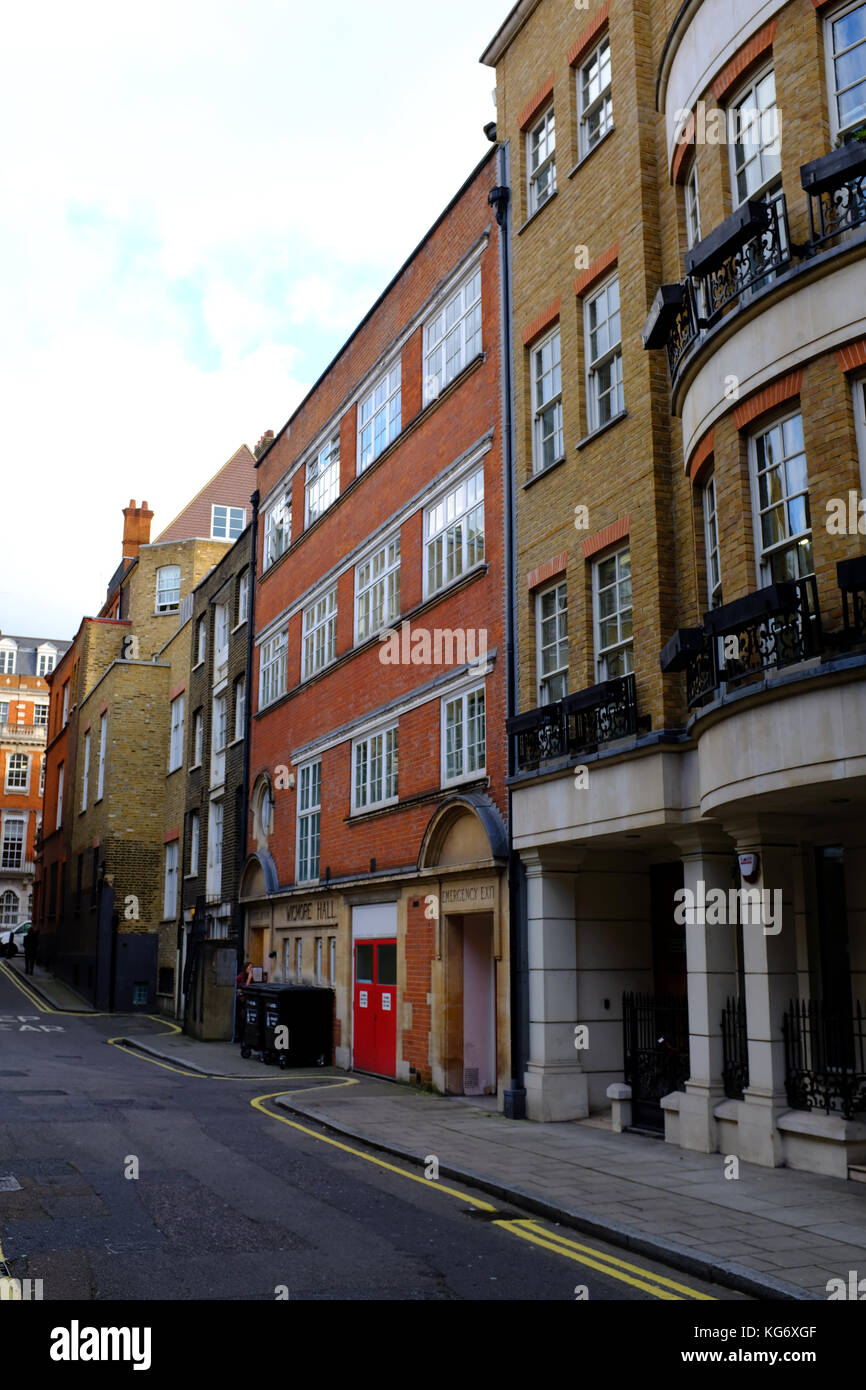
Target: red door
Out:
[375,1007]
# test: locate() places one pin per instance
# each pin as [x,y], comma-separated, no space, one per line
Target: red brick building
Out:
[377,766]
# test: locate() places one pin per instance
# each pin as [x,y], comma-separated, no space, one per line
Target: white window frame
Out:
[764,554]
[65,715]
[103,736]
[299,958]
[215,836]
[377,589]
[309,813]
[8,657]
[233,515]
[194,841]
[219,738]
[381,406]
[463,699]
[541,159]
[322,483]
[332,960]
[220,640]
[41,784]
[769,182]
[452,335]
[542,405]
[712,549]
[692,204]
[243,597]
[375,767]
[39,707]
[278,529]
[837,130]
[85,771]
[319,637]
[46,660]
[17,787]
[197,738]
[546,678]
[200,641]
[273,668]
[597,65]
[4,712]
[603,654]
[12,841]
[240,692]
[318,960]
[609,358]
[61,769]
[164,605]
[9,900]
[169,889]
[448,550]
[858,395]
[175,747]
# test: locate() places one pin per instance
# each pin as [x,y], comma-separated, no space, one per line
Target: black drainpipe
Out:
[515,1096]
[248,679]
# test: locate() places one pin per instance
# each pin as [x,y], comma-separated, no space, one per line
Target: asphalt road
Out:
[231,1203]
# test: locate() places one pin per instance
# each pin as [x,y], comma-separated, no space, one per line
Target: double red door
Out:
[375,1007]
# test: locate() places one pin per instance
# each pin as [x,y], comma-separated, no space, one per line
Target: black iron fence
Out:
[655,1052]
[836,185]
[577,724]
[825,1057]
[735,1049]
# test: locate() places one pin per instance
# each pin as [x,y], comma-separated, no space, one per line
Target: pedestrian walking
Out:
[31,946]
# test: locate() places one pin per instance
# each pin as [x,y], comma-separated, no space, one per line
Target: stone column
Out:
[711,956]
[770,960]
[556,1088]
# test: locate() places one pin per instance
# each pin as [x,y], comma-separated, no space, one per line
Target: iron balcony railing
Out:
[577,724]
[735,1049]
[851,578]
[836,185]
[825,1057]
[771,628]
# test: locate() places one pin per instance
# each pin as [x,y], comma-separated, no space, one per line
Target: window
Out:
[175,750]
[218,740]
[42,775]
[753,136]
[452,337]
[454,532]
[309,813]
[200,640]
[552,627]
[4,711]
[323,480]
[169,900]
[379,418]
[332,960]
[65,719]
[613,617]
[12,856]
[711,544]
[168,589]
[100,779]
[320,633]
[603,348]
[9,909]
[197,737]
[278,529]
[858,389]
[547,437]
[46,661]
[17,772]
[60,772]
[265,810]
[377,590]
[784,529]
[8,656]
[272,668]
[541,161]
[464,739]
[227,523]
[318,960]
[693,206]
[594,104]
[40,713]
[85,771]
[194,838]
[240,706]
[215,850]
[299,957]
[220,639]
[243,597]
[845,46]
[374,779]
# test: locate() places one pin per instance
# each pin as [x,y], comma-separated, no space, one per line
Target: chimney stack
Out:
[136,528]
[265,442]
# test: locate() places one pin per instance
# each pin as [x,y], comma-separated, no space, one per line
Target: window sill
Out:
[584,157]
[173,770]
[357,816]
[166,612]
[187,877]
[471,777]
[237,627]
[198,664]
[602,429]
[543,472]
[538,211]
[235,741]
[435,594]
[195,767]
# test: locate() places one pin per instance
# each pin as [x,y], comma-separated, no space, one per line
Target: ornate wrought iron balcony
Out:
[739,255]
[836,185]
[577,724]
[851,578]
[672,323]
[773,627]
[825,1057]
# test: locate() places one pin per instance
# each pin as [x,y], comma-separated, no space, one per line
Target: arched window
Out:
[263,810]
[9,909]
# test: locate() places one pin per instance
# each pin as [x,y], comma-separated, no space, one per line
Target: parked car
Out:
[12,940]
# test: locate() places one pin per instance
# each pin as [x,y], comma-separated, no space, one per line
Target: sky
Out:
[200,201]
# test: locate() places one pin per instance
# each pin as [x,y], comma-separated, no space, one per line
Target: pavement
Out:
[773,1233]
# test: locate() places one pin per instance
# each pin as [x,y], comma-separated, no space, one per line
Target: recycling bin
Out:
[252,1020]
[305,1012]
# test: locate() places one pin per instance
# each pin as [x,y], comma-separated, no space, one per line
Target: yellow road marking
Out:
[614,1260]
[518,1229]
